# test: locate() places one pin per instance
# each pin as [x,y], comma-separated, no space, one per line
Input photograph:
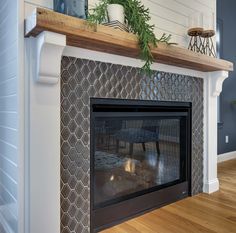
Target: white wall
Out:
[9,149]
[169,16]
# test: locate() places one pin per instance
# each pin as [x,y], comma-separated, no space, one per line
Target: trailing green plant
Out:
[137,18]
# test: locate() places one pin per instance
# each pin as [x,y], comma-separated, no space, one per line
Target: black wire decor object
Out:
[208,47]
[195,43]
[201,41]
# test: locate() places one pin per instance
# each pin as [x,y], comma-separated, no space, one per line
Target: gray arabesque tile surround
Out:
[82,79]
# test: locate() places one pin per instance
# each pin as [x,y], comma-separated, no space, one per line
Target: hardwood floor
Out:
[215,213]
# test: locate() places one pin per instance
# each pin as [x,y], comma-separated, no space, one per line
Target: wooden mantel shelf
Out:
[106,39]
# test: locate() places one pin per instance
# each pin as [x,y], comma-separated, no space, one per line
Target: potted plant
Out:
[116,12]
[137,18]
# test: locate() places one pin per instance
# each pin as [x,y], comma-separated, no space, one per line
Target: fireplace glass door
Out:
[136,153]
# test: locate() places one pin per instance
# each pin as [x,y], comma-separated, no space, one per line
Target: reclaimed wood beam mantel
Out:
[105,39]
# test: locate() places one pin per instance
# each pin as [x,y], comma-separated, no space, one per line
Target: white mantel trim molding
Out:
[43,56]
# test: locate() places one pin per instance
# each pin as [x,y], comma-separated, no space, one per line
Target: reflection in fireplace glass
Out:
[134,154]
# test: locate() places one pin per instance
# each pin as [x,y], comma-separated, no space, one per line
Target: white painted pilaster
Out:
[212,89]
[43,58]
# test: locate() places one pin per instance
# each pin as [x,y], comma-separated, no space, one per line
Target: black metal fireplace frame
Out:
[124,209]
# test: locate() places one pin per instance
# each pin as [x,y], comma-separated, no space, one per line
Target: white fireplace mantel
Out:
[44,58]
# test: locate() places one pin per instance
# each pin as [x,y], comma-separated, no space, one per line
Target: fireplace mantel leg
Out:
[43,57]
[212,89]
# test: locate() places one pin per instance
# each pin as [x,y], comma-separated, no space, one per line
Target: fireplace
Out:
[140,157]
[84,75]
[92,89]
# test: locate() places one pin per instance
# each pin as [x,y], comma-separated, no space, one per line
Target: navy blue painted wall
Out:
[226,12]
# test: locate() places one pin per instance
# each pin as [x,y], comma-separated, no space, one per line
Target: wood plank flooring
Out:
[215,213]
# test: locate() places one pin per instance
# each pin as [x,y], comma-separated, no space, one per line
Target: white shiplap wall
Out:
[169,16]
[8,116]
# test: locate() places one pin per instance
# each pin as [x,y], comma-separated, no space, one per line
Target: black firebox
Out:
[140,157]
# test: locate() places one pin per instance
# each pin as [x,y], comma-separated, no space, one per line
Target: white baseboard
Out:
[225,157]
[211,186]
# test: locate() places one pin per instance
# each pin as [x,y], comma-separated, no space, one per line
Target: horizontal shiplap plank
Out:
[9,119]
[6,196]
[11,34]
[10,19]
[8,8]
[9,135]
[6,15]
[44,3]
[195,5]
[31,5]
[8,213]
[8,103]
[8,184]
[209,3]
[8,167]
[9,87]
[168,25]
[8,71]
[3,6]
[8,52]
[180,40]
[171,5]
[9,151]
[169,15]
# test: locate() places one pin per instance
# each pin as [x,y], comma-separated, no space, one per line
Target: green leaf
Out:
[137,18]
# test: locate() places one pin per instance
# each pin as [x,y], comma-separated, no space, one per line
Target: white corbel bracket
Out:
[217,79]
[50,47]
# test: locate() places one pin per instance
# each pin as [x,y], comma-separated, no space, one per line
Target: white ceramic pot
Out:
[116,12]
